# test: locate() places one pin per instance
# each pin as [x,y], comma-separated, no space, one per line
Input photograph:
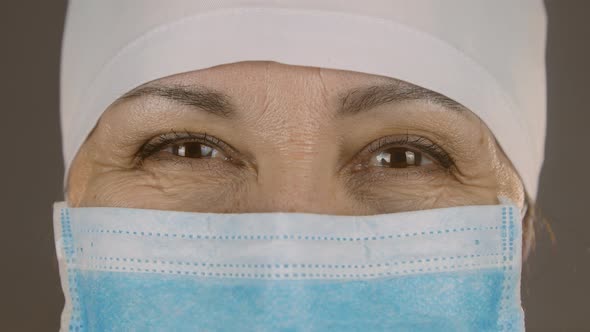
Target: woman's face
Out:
[262,136]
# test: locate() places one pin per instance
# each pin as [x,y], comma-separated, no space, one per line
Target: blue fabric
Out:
[453,301]
[469,291]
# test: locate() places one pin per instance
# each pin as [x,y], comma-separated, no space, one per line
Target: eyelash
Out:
[420,143]
[163,140]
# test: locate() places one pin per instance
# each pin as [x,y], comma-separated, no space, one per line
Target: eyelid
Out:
[423,144]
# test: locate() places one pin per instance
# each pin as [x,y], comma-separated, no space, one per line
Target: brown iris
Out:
[399,157]
[193,150]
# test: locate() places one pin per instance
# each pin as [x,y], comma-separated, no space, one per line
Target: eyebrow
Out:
[351,102]
[206,99]
[363,99]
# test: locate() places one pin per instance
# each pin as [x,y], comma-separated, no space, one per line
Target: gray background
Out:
[556,291]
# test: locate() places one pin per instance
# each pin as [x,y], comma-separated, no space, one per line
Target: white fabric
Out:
[487,55]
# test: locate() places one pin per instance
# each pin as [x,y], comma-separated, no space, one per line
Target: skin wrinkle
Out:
[325,92]
[298,147]
[298,155]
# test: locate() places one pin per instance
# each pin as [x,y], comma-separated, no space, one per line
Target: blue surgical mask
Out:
[447,269]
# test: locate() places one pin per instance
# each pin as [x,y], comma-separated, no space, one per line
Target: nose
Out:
[302,197]
[304,184]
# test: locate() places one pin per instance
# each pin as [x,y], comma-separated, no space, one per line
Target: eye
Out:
[194,150]
[186,146]
[404,152]
[399,157]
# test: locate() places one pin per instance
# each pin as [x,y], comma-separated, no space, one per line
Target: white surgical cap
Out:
[487,55]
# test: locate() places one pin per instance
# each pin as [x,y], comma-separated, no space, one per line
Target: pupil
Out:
[399,158]
[193,150]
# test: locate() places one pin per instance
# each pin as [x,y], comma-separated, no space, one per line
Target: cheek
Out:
[172,190]
[385,193]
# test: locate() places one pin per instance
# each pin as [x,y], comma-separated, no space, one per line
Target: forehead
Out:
[273,78]
[264,85]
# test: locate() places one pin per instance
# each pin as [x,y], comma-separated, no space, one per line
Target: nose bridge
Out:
[298,198]
[300,181]
[296,166]
[291,174]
